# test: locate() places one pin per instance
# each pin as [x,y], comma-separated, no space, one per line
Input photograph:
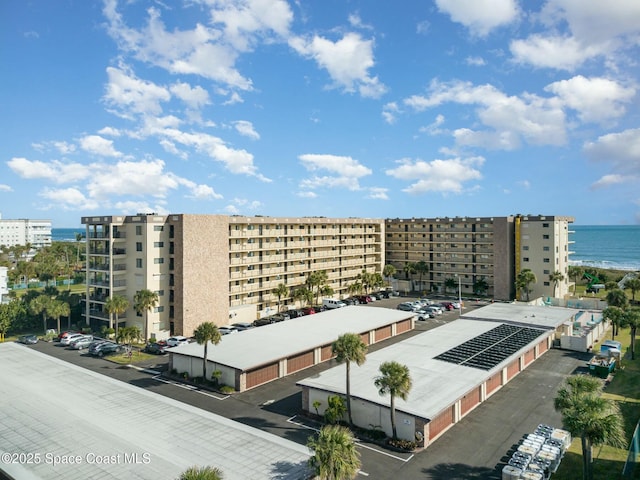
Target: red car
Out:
[308,310]
[364,299]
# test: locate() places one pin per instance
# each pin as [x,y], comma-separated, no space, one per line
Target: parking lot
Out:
[473,448]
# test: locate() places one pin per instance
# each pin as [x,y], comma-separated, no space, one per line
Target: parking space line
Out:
[189,387]
[404,460]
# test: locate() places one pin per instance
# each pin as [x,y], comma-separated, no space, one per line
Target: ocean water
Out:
[606,246]
[66,234]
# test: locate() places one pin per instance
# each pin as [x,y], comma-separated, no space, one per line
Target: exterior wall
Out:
[544,249]
[265,252]
[466,249]
[4,289]
[23,231]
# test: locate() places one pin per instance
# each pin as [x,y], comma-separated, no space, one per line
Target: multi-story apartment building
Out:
[464,253]
[219,268]
[36,233]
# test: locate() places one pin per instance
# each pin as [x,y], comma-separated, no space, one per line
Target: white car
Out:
[67,340]
[177,340]
[227,330]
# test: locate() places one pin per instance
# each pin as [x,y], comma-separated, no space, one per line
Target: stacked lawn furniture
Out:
[538,454]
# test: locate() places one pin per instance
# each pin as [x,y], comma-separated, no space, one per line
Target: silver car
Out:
[81,343]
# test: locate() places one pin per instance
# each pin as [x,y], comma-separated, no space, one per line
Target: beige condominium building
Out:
[23,231]
[469,256]
[219,268]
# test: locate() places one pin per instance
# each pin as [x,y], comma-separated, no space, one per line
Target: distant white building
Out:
[25,231]
[4,289]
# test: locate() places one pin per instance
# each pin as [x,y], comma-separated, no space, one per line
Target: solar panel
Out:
[491,348]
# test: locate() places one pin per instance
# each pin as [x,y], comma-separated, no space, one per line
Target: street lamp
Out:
[459,295]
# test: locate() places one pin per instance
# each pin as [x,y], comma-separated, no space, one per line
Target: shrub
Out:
[174,371]
[402,444]
[227,389]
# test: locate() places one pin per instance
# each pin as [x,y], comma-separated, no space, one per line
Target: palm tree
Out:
[421,267]
[116,305]
[58,309]
[202,473]
[394,380]
[631,318]
[335,456]
[41,305]
[575,273]
[617,298]
[143,301]
[556,277]
[480,286]
[614,315]
[586,414]
[303,294]
[280,291]
[388,271]
[365,279]
[205,333]
[409,269]
[78,240]
[634,286]
[525,278]
[349,348]
[450,283]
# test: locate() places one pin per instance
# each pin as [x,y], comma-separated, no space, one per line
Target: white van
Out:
[333,303]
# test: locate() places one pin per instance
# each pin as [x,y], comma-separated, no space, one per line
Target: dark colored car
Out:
[28,339]
[263,321]
[159,348]
[364,299]
[308,310]
[105,348]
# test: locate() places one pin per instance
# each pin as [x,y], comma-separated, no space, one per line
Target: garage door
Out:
[365,338]
[262,375]
[494,383]
[469,401]
[529,357]
[440,423]
[513,369]
[298,362]
[382,333]
[325,353]
[403,326]
[542,347]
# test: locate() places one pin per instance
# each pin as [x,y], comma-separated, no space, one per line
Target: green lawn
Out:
[625,389]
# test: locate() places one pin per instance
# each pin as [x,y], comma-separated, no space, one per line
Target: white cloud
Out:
[98,145]
[434,127]
[356,22]
[5,188]
[378,193]
[110,132]
[130,207]
[68,199]
[201,192]
[55,171]
[510,119]
[621,149]
[131,95]
[195,97]
[389,112]
[595,99]
[239,204]
[553,51]
[438,175]
[64,148]
[609,180]
[347,61]
[307,194]
[480,16]
[345,171]
[245,128]
[475,61]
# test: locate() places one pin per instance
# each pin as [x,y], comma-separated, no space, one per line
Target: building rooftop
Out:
[523,314]
[53,407]
[436,384]
[263,345]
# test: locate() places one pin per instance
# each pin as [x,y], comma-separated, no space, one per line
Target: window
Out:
[525,259]
[545,225]
[138,246]
[546,272]
[158,244]
[138,263]
[546,260]
[546,249]
[546,284]
[138,229]
[525,247]
[160,293]
[158,261]
[158,309]
[158,228]
[545,237]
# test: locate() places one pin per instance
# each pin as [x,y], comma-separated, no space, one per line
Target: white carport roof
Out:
[270,343]
[523,314]
[436,384]
[50,406]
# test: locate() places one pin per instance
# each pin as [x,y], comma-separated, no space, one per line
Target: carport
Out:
[263,354]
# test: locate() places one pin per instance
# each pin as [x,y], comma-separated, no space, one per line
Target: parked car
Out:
[263,321]
[242,326]
[364,299]
[81,343]
[157,348]
[383,294]
[308,310]
[433,308]
[333,303]
[68,339]
[105,348]
[66,334]
[227,330]
[406,306]
[447,305]
[28,339]
[424,314]
[177,340]
[351,301]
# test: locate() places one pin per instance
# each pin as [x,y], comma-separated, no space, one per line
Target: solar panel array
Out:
[489,349]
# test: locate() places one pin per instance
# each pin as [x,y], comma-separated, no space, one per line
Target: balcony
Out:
[119,235]
[119,251]
[94,235]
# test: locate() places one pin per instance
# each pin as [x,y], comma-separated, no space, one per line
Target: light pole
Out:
[459,295]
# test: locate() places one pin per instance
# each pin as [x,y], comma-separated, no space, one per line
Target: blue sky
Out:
[320,108]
